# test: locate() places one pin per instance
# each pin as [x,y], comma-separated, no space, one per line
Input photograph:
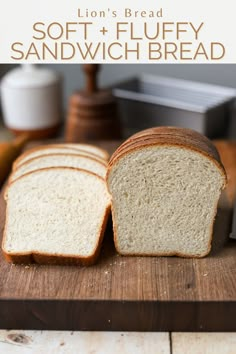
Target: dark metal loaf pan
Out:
[154,101]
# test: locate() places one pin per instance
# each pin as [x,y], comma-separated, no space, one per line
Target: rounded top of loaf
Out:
[169,136]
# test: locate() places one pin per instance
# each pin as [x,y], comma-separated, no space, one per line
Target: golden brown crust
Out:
[43,147]
[36,257]
[168,136]
[191,141]
[173,132]
[163,141]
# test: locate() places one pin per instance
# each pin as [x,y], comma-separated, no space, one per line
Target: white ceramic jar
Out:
[31,100]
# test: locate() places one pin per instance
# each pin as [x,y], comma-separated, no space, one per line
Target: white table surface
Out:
[64,342]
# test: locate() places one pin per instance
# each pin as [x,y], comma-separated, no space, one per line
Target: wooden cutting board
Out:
[129,293]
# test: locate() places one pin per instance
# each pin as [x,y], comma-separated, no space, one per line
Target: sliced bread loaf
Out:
[87,150]
[165,187]
[55,215]
[60,160]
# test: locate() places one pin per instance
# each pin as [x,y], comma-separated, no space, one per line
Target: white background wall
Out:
[222,74]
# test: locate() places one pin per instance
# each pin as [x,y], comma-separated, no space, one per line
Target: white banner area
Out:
[125,31]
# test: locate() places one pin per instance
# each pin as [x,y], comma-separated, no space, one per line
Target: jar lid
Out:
[29,76]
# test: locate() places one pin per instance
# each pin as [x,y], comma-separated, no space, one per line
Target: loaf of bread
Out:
[57,206]
[165,185]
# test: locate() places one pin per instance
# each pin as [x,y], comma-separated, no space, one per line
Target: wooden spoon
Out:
[9,151]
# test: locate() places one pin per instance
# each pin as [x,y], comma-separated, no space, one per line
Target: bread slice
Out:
[55,215]
[96,150]
[87,150]
[60,160]
[165,189]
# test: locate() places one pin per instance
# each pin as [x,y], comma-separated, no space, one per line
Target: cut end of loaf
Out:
[164,201]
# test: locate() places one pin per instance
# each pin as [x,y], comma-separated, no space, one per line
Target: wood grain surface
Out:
[129,293]
[77,342]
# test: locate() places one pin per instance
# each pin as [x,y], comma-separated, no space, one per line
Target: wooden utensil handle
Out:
[9,151]
[20,141]
[91,71]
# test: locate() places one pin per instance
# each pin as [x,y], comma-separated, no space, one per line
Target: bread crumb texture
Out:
[57,211]
[164,200]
